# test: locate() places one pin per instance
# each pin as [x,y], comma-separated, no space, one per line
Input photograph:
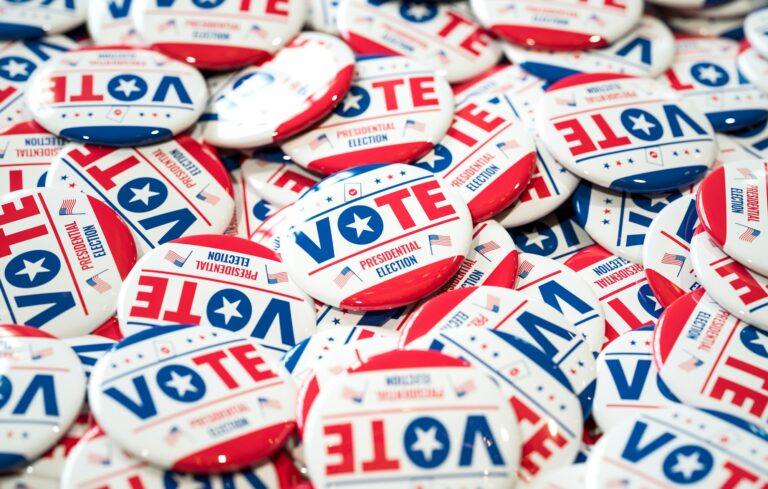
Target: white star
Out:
[418,11]
[143,194]
[229,310]
[687,464]
[710,74]
[360,224]
[32,268]
[351,101]
[181,383]
[761,340]
[14,68]
[642,124]
[426,442]
[430,159]
[127,87]
[534,239]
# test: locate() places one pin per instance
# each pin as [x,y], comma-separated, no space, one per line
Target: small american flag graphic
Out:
[207,196]
[176,258]
[746,174]
[353,395]
[617,483]
[673,259]
[465,388]
[4,150]
[68,208]
[597,19]
[484,248]
[173,435]
[344,276]
[98,283]
[492,303]
[415,125]
[691,364]
[258,31]
[438,240]
[40,354]
[276,278]
[171,24]
[509,144]
[319,141]
[749,234]
[442,56]
[265,402]
[99,459]
[524,269]
[570,102]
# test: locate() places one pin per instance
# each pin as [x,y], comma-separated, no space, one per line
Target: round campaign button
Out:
[218,34]
[619,221]
[548,411]
[647,50]
[222,281]
[250,209]
[680,447]
[50,465]
[704,73]
[515,313]
[64,258]
[753,66]
[110,23]
[487,156]
[732,202]
[753,140]
[272,230]
[303,358]
[278,181]
[621,287]
[756,30]
[558,236]
[116,96]
[561,477]
[441,421]
[28,19]
[376,237]
[281,96]
[345,358]
[736,288]
[194,399]
[42,388]
[625,133]
[667,251]
[443,36]
[730,27]
[164,191]
[97,461]
[395,111]
[571,24]
[709,358]
[18,61]
[26,152]
[553,283]
[628,381]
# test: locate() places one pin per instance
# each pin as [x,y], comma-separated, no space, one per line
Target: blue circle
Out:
[688,464]
[32,269]
[360,224]
[127,87]
[142,194]
[355,103]
[648,301]
[709,74]
[442,160]
[642,124]
[11,66]
[6,388]
[229,302]
[426,442]
[755,341]
[207,4]
[418,12]
[181,383]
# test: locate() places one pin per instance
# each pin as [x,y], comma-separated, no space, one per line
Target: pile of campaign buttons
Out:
[397,244]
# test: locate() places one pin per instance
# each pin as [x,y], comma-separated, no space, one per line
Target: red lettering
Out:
[183,315]
[345,449]
[479,118]
[11,213]
[538,444]
[5,93]
[58,89]
[611,140]
[579,134]
[395,202]
[736,475]
[421,86]
[153,298]
[293,181]
[379,460]
[743,280]
[213,360]
[86,91]
[388,90]
[275,7]
[252,363]
[429,195]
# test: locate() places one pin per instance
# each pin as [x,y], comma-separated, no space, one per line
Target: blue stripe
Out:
[621,217]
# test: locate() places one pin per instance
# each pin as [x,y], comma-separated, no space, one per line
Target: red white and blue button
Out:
[26,152]
[29,19]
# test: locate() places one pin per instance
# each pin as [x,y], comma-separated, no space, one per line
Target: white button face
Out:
[376,237]
[110,23]
[667,251]
[707,357]
[18,61]
[442,36]
[221,281]
[218,34]
[164,191]
[26,152]
[142,97]
[250,209]
[153,394]
[42,388]
[756,30]
[736,288]
[568,25]
[619,221]
[692,448]
[275,178]
[621,287]
[647,50]
[731,28]
[69,252]
[625,133]
[396,110]
[704,73]
[753,66]
[628,382]
[732,202]
[281,96]
[460,426]
[322,16]
[561,477]
[36,18]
